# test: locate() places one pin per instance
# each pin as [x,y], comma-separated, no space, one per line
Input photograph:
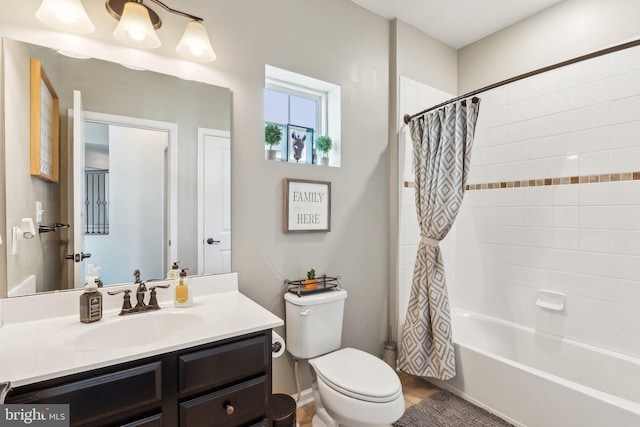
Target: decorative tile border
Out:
[567,180]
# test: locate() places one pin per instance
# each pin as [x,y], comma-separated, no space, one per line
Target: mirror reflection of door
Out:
[77,257]
[122,197]
[214,210]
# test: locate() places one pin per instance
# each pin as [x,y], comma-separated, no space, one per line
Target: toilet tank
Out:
[314,323]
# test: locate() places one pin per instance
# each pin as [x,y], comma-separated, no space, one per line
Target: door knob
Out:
[83,255]
[211,241]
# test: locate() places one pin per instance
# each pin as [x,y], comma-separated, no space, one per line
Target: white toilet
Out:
[350,387]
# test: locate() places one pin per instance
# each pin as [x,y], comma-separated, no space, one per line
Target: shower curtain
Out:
[442,141]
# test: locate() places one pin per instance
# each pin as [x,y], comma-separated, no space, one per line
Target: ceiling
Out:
[457,22]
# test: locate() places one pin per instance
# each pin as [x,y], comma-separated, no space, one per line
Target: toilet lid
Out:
[359,375]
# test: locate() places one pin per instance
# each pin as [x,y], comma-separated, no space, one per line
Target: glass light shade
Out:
[135,29]
[195,44]
[67,15]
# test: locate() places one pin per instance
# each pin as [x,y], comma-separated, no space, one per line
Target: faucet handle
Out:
[126,303]
[126,292]
[153,300]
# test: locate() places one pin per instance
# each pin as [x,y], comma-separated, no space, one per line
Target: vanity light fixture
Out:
[135,27]
[195,44]
[138,24]
[67,15]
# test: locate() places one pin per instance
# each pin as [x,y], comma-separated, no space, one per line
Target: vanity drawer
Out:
[223,364]
[247,402]
[152,421]
[102,396]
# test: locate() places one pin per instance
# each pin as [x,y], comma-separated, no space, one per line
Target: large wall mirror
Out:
[144,173]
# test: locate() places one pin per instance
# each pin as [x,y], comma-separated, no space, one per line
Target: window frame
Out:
[302,92]
[292,83]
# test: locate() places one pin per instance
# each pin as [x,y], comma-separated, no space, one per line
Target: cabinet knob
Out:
[229,409]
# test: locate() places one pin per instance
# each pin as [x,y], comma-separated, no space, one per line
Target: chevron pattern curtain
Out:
[442,141]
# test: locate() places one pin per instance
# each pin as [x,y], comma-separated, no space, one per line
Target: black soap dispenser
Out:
[90,303]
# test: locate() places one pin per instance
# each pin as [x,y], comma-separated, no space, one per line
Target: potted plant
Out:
[311,283]
[324,144]
[272,136]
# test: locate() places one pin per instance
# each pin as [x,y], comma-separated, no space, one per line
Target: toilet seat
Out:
[357,374]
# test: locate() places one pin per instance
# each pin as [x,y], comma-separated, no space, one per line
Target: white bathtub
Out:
[540,380]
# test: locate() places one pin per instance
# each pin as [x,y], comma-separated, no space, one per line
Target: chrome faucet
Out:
[140,306]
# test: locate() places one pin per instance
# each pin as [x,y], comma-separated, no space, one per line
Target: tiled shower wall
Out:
[554,203]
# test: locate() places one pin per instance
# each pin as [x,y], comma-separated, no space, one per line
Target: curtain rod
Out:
[623,46]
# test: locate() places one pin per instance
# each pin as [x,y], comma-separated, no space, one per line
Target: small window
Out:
[96,202]
[297,111]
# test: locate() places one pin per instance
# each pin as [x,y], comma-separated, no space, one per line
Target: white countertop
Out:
[34,348]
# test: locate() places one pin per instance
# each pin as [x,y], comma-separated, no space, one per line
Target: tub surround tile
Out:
[555,181]
[554,196]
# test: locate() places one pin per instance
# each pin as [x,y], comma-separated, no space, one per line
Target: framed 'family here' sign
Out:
[307,205]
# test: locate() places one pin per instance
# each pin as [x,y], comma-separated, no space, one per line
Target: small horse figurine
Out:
[298,145]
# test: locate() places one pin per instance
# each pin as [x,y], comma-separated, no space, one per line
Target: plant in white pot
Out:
[324,144]
[272,136]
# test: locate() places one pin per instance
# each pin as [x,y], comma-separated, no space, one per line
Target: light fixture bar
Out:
[177,12]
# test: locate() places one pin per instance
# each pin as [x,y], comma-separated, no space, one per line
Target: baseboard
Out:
[306,397]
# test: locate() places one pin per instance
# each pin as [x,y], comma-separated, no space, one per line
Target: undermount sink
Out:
[131,330]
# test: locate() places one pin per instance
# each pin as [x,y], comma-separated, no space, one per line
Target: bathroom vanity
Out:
[213,368]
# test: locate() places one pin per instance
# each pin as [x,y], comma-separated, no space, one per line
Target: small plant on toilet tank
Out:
[311,282]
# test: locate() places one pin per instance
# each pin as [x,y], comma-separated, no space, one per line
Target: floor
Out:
[415,390]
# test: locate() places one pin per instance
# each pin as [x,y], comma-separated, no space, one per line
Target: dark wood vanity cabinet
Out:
[226,383]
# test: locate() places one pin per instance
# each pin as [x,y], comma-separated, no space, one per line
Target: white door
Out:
[79,254]
[214,202]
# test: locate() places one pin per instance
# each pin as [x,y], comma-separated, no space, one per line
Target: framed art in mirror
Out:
[45,125]
[307,205]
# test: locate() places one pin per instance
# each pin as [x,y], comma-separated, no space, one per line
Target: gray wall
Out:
[37,256]
[564,31]
[425,59]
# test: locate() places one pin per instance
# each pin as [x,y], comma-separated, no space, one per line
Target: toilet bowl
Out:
[350,387]
[355,389]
